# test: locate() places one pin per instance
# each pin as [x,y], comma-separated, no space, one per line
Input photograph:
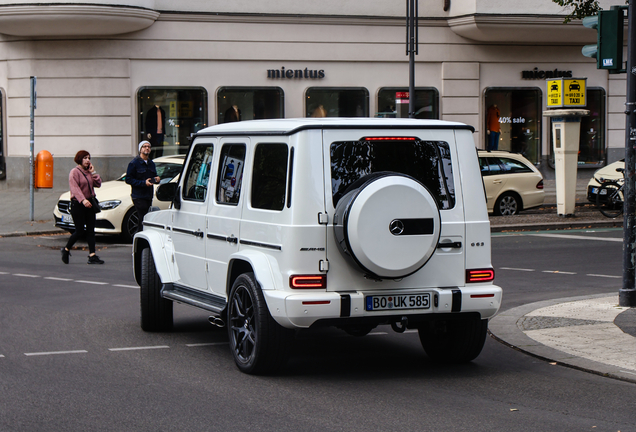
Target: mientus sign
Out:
[541,74]
[295,73]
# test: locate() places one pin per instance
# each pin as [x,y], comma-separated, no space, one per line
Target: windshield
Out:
[165,170]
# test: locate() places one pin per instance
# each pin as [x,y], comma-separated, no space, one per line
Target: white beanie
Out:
[142,143]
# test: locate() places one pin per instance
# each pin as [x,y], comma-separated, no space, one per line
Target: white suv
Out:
[287,224]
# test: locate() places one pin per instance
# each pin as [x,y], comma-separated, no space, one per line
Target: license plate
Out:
[594,190]
[67,218]
[399,301]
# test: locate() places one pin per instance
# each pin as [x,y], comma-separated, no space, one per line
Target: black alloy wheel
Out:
[129,225]
[259,344]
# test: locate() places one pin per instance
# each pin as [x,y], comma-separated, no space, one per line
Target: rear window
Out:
[429,162]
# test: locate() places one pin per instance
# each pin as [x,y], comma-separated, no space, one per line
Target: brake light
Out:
[308,281]
[480,275]
[388,139]
[540,184]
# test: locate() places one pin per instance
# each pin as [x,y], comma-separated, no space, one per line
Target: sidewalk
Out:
[588,333]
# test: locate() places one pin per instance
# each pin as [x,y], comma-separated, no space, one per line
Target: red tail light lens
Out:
[480,275]
[308,281]
[540,184]
[388,139]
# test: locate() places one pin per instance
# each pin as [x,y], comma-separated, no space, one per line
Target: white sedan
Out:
[118,215]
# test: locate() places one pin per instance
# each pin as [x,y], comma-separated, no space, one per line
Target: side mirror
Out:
[166,192]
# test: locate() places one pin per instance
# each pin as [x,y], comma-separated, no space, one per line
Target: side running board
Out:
[181,294]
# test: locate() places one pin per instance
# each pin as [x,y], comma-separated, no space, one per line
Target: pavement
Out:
[591,333]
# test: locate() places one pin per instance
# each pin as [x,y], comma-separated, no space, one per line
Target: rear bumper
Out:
[306,309]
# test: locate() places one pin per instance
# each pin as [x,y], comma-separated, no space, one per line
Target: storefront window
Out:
[168,116]
[592,150]
[3,163]
[426,102]
[249,103]
[337,102]
[517,113]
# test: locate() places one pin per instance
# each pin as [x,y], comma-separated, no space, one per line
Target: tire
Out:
[258,343]
[129,225]
[387,225]
[454,341]
[156,312]
[507,204]
[609,199]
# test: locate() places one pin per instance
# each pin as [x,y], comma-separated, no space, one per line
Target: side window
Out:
[514,166]
[269,176]
[231,164]
[483,164]
[195,183]
[494,167]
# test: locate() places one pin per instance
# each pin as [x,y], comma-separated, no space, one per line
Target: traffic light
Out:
[608,51]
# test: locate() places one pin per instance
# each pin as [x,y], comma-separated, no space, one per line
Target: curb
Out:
[544,226]
[504,329]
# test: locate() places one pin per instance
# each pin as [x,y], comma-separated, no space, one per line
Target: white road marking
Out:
[377,333]
[139,348]
[91,282]
[58,279]
[578,237]
[1,356]
[516,269]
[206,344]
[604,276]
[558,272]
[5,273]
[127,286]
[56,353]
[26,275]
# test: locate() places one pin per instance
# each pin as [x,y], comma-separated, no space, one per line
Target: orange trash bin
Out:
[44,170]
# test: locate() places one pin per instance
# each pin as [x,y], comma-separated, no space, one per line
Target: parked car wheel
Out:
[454,341]
[129,225]
[258,343]
[156,312]
[507,204]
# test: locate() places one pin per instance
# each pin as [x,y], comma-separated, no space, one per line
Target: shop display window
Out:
[169,115]
[249,103]
[3,166]
[337,102]
[426,103]
[592,151]
[514,115]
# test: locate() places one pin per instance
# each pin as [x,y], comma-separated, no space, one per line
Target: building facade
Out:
[109,71]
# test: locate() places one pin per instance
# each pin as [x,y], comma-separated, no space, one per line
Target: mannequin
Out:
[233,114]
[493,128]
[156,127]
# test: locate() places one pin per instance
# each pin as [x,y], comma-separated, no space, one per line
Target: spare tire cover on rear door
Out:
[388,224]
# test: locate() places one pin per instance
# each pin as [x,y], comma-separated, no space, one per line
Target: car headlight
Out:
[109,205]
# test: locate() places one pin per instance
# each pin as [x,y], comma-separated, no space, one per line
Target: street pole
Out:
[412,36]
[627,294]
[31,152]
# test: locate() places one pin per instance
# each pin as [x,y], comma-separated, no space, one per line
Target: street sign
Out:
[555,93]
[566,92]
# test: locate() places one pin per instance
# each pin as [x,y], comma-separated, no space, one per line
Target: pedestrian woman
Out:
[83,180]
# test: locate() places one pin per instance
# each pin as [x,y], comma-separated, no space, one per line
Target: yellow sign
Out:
[173,109]
[574,91]
[566,92]
[555,93]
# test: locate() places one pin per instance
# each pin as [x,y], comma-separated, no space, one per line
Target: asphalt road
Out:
[72,357]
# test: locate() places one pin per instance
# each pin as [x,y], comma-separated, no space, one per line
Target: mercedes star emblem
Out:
[396,227]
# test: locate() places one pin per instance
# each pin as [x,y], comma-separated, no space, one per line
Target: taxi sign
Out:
[566,92]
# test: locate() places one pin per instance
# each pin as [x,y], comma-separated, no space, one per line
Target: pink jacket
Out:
[78,180]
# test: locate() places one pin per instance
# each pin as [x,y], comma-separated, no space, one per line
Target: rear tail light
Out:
[480,275]
[540,184]
[308,281]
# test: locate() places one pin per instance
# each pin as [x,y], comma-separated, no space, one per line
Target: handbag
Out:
[93,200]
[95,204]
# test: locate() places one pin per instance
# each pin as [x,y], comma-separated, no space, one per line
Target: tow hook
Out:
[400,326]
[216,321]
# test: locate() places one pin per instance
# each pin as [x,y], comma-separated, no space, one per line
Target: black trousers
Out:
[84,219]
[142,206]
